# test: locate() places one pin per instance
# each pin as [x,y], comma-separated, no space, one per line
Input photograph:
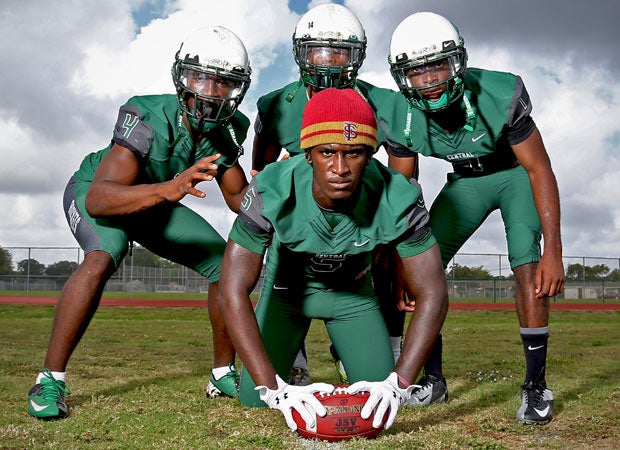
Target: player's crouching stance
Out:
[324,213]
[480,121]
[162,147]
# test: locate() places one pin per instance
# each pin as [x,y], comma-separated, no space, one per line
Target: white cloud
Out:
[63,81]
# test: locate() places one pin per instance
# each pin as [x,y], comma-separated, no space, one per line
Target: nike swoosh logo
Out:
[542,412]
[529,347]
[37,408]
[280,287]
[358,244]
[476,139]
[423,399]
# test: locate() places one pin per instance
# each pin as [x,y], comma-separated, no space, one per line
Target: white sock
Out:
[396,342]
[301,361]
[60,376]
[219,372]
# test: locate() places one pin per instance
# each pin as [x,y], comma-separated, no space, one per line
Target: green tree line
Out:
[139,255]
[143,258]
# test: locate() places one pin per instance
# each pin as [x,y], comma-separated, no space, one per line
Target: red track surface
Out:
[22,300]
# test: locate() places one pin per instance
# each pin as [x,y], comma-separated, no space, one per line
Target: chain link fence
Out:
[48,268]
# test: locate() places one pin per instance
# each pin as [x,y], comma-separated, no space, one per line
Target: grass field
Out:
[201,297]
[139,374]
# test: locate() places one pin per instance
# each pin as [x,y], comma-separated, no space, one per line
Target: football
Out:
[342,421]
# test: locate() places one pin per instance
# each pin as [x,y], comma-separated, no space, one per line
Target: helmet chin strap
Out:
[470,117]
[470,113]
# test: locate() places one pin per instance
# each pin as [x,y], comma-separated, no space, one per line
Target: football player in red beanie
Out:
[325,211]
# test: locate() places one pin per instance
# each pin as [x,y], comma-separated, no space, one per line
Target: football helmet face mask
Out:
[329,46]
[428,61]
[211,73]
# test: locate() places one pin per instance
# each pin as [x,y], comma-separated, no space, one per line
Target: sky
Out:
[63,80]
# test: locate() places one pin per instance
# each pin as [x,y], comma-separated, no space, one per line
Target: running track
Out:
[22,300]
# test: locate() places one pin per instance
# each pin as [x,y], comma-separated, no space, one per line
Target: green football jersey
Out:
[499,100]
[152,128]
[280,112]
[323,249]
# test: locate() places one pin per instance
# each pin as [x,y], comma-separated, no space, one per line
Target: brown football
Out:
[343,419]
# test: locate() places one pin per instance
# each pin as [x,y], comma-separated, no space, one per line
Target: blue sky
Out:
[63,81]
[144,13]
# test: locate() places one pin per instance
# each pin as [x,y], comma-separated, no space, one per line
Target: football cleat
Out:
[46,399]
[299,376]
[431,390]
[227,386]
[536,404]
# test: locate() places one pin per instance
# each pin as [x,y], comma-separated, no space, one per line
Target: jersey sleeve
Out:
[258,124]
[132,132]
[519,124]
[392,146]
[263,106]
[409,248]
[251,229]
[246,237]
[418,238]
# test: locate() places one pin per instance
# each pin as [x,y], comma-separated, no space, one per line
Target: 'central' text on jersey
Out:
[327,263]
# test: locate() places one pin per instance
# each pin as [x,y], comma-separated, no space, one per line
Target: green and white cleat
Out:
[46,399]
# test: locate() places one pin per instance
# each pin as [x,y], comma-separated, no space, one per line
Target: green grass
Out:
[139,374]
[203,296]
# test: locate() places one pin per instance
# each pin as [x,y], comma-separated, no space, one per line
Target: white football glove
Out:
[383,395]
[288,397]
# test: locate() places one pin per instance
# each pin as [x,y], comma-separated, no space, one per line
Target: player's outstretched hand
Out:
[185,182]
[301,398]
[384,395]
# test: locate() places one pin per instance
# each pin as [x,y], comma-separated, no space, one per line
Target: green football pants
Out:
[171,230]
[353,321]
[464,203]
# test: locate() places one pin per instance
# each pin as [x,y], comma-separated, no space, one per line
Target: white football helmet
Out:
[427,38]
[206,53]
[331,27]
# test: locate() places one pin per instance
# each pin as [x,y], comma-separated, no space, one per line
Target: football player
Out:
[324,213]
[162,147]
[329,47]
[479,121]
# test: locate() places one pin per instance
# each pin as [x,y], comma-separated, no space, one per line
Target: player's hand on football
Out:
[301,398]
[384,395]
[185,182]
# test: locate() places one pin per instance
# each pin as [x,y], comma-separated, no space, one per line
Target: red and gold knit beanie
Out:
[338,116]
